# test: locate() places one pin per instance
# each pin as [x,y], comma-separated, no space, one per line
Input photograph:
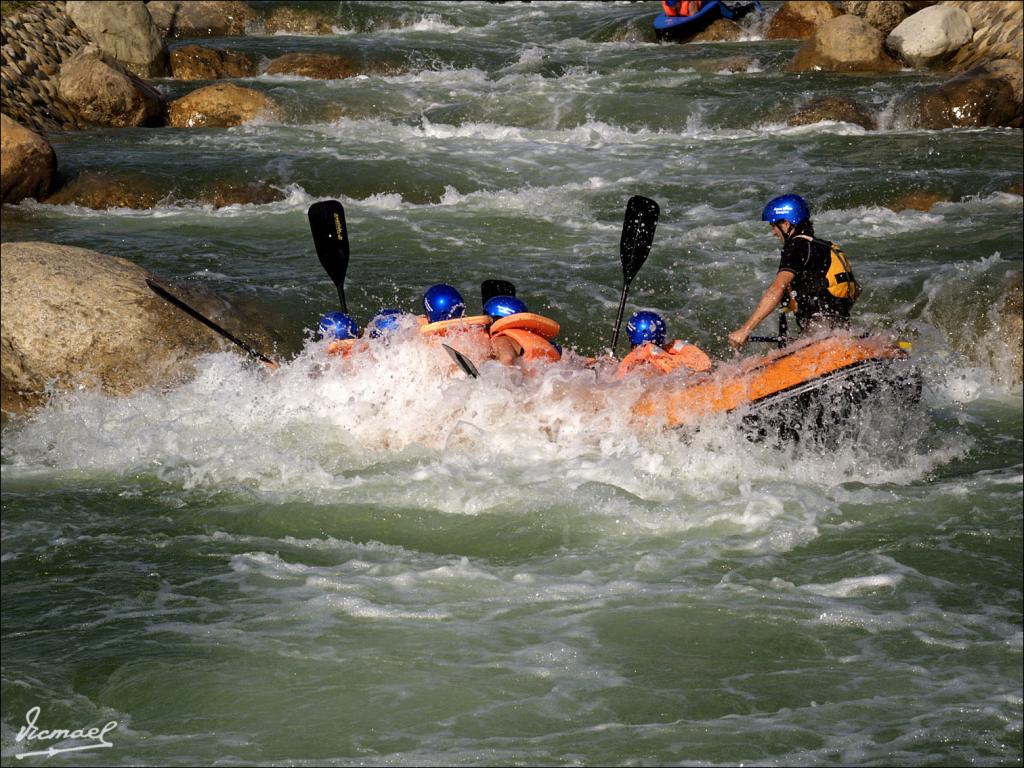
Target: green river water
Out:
[375,563]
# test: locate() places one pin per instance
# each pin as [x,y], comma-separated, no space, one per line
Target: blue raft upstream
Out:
[682,28]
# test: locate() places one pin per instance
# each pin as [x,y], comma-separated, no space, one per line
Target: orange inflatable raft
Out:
[847,368]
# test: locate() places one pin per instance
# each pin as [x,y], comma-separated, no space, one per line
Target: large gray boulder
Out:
[125,30]
[101,92]
[28,162]
[931,35]
[844,44]
[201,18]
[74,316]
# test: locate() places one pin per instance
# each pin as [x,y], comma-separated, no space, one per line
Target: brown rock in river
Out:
[197,62]
[720,30]
[225,193]
[833,108]
[916,201]
[102,190]
[319,66]
[297,21]
[1009,70]
[1011,330]
[844,44]
[219,106]
[800,20]
[975,99]
[27,162]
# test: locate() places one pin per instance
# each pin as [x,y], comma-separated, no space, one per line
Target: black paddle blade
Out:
[462,361]
[330,236]
[637,235]
[491,288]
[634,245]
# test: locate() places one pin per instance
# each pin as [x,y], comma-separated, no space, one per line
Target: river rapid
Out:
[374,562]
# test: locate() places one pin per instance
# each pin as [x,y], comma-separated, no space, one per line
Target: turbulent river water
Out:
[373,562]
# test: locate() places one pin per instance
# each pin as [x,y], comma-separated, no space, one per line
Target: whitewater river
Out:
[372,562]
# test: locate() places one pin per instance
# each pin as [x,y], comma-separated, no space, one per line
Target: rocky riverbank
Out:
[76,65]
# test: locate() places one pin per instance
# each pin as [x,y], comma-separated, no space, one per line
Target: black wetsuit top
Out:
[809,260]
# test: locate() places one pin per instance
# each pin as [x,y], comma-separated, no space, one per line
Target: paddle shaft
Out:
[618,317]
[168,296]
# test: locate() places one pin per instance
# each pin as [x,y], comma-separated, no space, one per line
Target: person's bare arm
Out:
[769,302]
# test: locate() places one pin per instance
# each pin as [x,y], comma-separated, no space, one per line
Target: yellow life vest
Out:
[839,275]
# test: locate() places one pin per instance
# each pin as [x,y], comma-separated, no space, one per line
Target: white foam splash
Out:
[321,428]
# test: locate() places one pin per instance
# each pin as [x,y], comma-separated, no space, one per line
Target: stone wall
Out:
[34,42]
[998,32]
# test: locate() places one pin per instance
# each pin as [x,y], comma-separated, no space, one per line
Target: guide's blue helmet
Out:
[384,323]
[791,208]
[646,326]
[338,325]
[443,302]
[503,306]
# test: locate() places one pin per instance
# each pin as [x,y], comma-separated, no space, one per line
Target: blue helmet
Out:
[791,208]
[503,306]
[443,302]
[338,325]
[384,323]
[646,326]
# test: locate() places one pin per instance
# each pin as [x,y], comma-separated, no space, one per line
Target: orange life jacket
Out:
[457,325]
[681,7]
[534,346]
[654,360]
[531,333]
[342,347]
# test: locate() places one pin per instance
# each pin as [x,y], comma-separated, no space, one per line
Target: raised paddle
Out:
[463,362]
[165,294]
[491,288]
[330,236]
[637,235]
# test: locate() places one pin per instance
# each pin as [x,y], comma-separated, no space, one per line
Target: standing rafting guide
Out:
[814,280]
